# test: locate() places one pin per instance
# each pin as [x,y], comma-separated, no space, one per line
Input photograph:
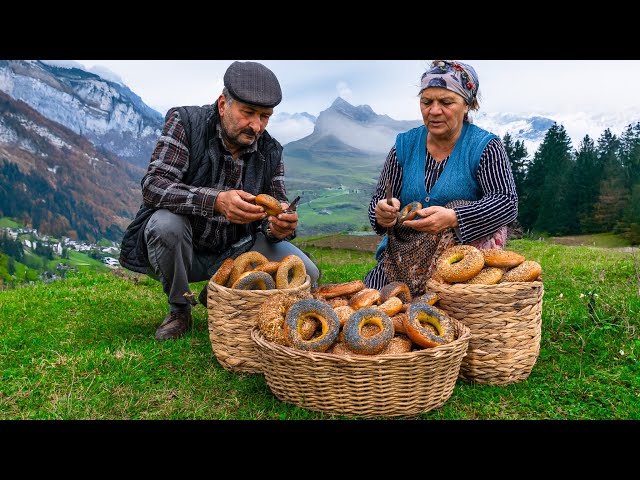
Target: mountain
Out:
[57,181]
[344,128]
[106,112]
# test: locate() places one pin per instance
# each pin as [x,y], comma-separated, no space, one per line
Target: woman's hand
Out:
[387,215]
[433,220]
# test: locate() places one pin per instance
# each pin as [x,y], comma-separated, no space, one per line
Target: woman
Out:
[460,174]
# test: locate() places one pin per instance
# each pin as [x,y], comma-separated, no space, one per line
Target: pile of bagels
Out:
[253,271]
[470,265]
[350,319]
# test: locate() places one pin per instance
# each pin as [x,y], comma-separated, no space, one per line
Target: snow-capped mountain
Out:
[104,111]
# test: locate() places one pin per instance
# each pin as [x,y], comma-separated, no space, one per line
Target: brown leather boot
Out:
[175,325]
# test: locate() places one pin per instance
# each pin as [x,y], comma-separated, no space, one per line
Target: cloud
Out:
[344,91]
[286,127]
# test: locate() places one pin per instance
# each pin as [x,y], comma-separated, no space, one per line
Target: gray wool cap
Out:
[253,83]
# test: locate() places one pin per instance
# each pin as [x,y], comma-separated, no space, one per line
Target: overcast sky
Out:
[390,86]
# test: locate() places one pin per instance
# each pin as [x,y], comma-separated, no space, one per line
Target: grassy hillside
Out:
[84,348]
[333,198]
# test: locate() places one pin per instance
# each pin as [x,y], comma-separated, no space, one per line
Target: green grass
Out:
[84,348]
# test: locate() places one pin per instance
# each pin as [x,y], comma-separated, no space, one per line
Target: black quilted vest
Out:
[200,129]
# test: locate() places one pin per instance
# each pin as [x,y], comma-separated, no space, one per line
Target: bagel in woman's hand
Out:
[270,204]
[409,212]
[459,263]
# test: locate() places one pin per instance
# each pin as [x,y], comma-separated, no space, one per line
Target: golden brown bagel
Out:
[364,298]
[527,271]
[291,266]
[224,271]
[245,262]
[487,276]
[496,257]
[459,263]
[331,290]
[270,204]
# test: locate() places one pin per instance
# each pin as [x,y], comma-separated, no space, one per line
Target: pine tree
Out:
[546,201]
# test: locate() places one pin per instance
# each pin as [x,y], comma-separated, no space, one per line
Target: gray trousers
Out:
[173,262]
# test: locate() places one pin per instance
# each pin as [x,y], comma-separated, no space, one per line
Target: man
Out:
[208,165]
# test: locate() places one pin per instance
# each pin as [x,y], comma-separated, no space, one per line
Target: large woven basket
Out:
[505,322]
[232,315]
[367,386]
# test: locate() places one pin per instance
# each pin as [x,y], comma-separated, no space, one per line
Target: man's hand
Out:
[284,224]
[236,206]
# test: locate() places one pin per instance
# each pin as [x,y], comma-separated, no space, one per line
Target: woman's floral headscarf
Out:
[455,76]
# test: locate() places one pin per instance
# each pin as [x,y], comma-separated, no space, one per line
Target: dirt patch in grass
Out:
[365,243]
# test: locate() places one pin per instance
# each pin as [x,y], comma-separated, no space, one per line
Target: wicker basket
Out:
[232,315]
[360,385]
[505,322]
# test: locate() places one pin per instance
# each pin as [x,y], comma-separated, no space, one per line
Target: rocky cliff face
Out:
[107,113]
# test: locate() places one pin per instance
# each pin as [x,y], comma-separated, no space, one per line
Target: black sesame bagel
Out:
[311,308]
[254,280]
[409,212]
[459,263]
[420,313]
[368,345]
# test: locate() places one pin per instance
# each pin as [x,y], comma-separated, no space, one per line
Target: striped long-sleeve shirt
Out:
[497,207]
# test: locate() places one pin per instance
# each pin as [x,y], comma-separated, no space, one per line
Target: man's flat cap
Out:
[253,83]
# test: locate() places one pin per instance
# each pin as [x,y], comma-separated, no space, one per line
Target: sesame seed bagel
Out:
[459,263]
[527,271]
[291,272]
[487,276]
[245,262]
